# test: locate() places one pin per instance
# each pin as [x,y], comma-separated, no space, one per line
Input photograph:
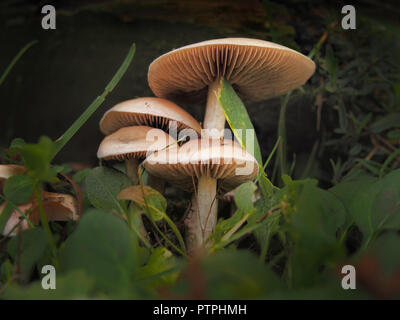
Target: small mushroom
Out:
[257,69]
[207,162]
[56,206]
[152,112]
[133,144]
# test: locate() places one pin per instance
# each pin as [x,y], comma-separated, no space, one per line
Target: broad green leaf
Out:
[386,250]
[315,217]
[319,213]
[37,158]
[148,199]
[240,123]
[160,261]
[225,228]
[270,222]
[5,214]
[80,176]
[103,186]
[18,189]
[226,278]
[33,243]
[238,119]
[244,196]
[103,247]
[377,206]
[347,191]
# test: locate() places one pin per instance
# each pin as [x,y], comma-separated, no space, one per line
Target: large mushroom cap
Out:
[152,112]
[257,69]
[223,160]
[133,142]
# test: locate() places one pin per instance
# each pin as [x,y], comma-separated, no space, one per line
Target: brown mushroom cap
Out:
[152,112]
[57,207]
[133,142]
[8,170]
[257,69]
[217,159]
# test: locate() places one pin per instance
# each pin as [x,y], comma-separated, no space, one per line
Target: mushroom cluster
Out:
[137,127]
[257,70]
[207,164]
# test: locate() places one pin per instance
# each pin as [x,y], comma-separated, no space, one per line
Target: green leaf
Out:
[80,176]
[226,278]
[347,191]
[103,186]
[148,199]
[5,214]
[394,134]
[154,205]
[37,158]
[225,228]
[314,218]
[18,189]
[386,250]
[377,206]
[103,247]
[238,118]
[244,196]
[387,122]
[160,261]
[33,243]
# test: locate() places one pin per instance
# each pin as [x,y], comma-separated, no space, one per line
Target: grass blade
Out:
[63,140]
[15,60]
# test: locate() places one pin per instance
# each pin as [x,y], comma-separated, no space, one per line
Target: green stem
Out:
[132,226]
[166,239]
[176,231]
[15,60]
[45,223]
[62,141]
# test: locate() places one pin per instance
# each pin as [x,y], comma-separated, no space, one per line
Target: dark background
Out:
[61,75]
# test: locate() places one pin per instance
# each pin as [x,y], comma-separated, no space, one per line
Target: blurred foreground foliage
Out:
[289,243]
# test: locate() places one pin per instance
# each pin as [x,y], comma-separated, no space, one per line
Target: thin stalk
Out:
[45,223]
[281,164]
[62,141]
[15,60]
[166,239]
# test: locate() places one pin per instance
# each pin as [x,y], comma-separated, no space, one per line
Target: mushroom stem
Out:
[214,119]
[156,183]
[131,166]
[202,217]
